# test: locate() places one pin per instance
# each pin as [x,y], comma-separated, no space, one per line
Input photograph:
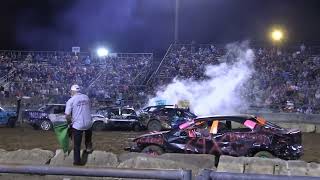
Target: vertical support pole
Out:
[176,22]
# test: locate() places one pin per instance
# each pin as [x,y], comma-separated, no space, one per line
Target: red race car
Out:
[234,135]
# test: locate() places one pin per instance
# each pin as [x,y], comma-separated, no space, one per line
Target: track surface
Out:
[111,141]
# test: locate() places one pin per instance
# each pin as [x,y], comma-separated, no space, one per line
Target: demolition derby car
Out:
[39,119]
[115,117]
[8,117]
[239,135]
[157,118]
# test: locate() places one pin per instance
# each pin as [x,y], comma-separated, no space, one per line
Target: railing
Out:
[97,172]
[134,54]
[47,53]
[94,80]
[142,173]
[143,72]
[164,57]
[5,79]
[212,175]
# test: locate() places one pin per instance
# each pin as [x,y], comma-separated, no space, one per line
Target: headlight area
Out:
[133,147]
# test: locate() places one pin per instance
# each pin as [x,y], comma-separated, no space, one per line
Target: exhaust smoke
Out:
[220,93]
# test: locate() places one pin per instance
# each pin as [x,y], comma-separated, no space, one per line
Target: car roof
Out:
[115,107]
[160,106]
[55,104]
[238,117]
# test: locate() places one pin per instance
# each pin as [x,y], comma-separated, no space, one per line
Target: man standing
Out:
[78,114]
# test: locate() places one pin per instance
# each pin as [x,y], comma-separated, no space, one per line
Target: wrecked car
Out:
[238,135]
[164,117]
[115,118]
[39,119]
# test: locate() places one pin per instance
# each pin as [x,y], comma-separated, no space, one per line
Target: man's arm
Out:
[68,118]
[68,112]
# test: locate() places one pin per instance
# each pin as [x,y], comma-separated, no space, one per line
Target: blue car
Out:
[39,119]
[8,117]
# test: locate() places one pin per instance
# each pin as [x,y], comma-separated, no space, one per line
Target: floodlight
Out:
[102,52]
[277,35]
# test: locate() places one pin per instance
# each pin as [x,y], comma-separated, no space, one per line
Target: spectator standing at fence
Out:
[79,115]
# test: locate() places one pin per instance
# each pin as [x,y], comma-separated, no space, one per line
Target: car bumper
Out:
[293,152]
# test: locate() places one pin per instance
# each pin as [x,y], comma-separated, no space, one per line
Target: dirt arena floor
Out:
[111,141]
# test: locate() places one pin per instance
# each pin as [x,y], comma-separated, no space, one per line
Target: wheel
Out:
[136,127]
[12,122]
[153,149]
[264,154]
[46,125]
[154,125]
[98,126]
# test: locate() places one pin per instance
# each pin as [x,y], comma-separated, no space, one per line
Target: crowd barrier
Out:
[97,172]
[212,175]
[142,173]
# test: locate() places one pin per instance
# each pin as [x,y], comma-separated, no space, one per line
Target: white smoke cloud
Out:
[220,92]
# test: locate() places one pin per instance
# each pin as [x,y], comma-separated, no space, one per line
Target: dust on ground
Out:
[111,141]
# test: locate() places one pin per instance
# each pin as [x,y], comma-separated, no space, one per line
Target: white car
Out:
[115,117]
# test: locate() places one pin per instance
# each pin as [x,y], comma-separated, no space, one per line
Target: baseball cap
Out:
[75,87]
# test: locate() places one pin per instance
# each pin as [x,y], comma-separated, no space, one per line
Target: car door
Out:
[241,138]
[176,117]
[58,109]
[180,141]
[164,115]
[218,143]
[195,140]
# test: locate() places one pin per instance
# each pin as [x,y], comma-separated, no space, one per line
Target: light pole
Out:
[176,22]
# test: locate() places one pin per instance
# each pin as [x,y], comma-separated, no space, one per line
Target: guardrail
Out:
[141,173]
[163,59]
[212,175]
[6,78]
[97,172]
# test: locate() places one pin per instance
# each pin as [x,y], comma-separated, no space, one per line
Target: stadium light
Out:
[102,52]
[277,35]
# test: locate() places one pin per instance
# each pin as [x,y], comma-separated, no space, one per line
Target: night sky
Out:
[148,25]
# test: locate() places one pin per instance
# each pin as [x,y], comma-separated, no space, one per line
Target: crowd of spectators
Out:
[283,80]
[49,75]
[288,80]
[123,79]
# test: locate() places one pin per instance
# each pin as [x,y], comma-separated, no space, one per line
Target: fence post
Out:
[186,175]
[204,175]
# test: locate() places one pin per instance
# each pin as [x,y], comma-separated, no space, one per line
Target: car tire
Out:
[46,125]
[153,149]
[98,126]
[264,154]
[154,125]
[12,122]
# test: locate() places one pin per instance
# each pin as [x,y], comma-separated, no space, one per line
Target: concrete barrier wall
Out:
[192,162]
[308,123]
[267,166]
[290,117]
[101,159]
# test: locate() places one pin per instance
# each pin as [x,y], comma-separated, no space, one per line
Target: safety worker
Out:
[78,114]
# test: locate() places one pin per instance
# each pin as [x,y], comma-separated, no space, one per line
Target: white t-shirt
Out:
[79,107]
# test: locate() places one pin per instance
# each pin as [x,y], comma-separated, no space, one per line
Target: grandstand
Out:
[46,76]
[285,80]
